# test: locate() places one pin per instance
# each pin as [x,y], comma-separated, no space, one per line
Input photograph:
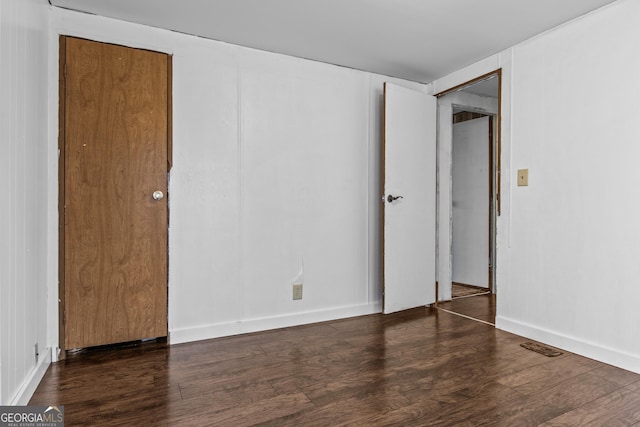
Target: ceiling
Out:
[420,40]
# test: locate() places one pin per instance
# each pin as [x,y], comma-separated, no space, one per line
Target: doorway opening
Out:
[472,187]
[469,201]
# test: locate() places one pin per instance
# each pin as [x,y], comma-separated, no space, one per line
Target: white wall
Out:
[275,179]
[24,195]
[574,248]
[569,243]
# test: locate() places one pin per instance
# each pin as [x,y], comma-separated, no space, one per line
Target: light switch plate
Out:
[523,177]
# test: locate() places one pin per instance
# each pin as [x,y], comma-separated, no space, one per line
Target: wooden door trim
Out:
[497,188]
[490,196]
[382,182]
[61,178]
[498,73]
[460,86]
[61,192]
[169,116]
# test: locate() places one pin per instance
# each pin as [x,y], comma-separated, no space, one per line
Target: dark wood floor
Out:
[419,367]
[481,307]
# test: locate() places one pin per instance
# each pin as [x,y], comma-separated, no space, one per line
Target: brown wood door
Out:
[114,122]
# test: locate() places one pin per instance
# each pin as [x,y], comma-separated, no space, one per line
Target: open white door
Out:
[409,198]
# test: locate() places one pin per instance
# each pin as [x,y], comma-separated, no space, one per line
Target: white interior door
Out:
[409,219]
[471,193]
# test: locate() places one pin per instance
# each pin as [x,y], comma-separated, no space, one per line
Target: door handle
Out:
[158,195]
[391,198]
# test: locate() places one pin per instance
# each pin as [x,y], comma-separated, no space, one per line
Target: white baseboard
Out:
[584,348]
[177,336]
[32,380]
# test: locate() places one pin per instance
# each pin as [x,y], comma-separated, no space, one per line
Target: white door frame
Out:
[446,100]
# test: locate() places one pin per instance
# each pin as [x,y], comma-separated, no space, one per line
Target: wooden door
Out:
[409,198]
[115,107]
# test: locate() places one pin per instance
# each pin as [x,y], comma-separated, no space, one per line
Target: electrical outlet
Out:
[297,291]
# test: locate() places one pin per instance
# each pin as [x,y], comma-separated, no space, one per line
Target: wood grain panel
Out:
[115,157]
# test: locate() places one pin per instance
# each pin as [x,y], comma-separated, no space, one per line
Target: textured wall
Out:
[567,261]
[572,256]
[24,192]
[275,178]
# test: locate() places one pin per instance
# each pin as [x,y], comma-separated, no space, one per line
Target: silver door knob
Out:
[158,195]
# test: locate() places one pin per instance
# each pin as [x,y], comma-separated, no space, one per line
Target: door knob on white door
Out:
[158,195]
[391,198]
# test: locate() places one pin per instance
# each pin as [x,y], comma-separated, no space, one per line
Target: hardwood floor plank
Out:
[226,397]
[549,403]
[482,307]
[616,375]
[346,411]
[418,367]
[245,415]
[618,408]
[557,370]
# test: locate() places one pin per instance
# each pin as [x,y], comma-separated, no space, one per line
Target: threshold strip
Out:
[466,317]
[472,295]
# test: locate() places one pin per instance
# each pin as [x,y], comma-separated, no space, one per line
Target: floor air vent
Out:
[542,349]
